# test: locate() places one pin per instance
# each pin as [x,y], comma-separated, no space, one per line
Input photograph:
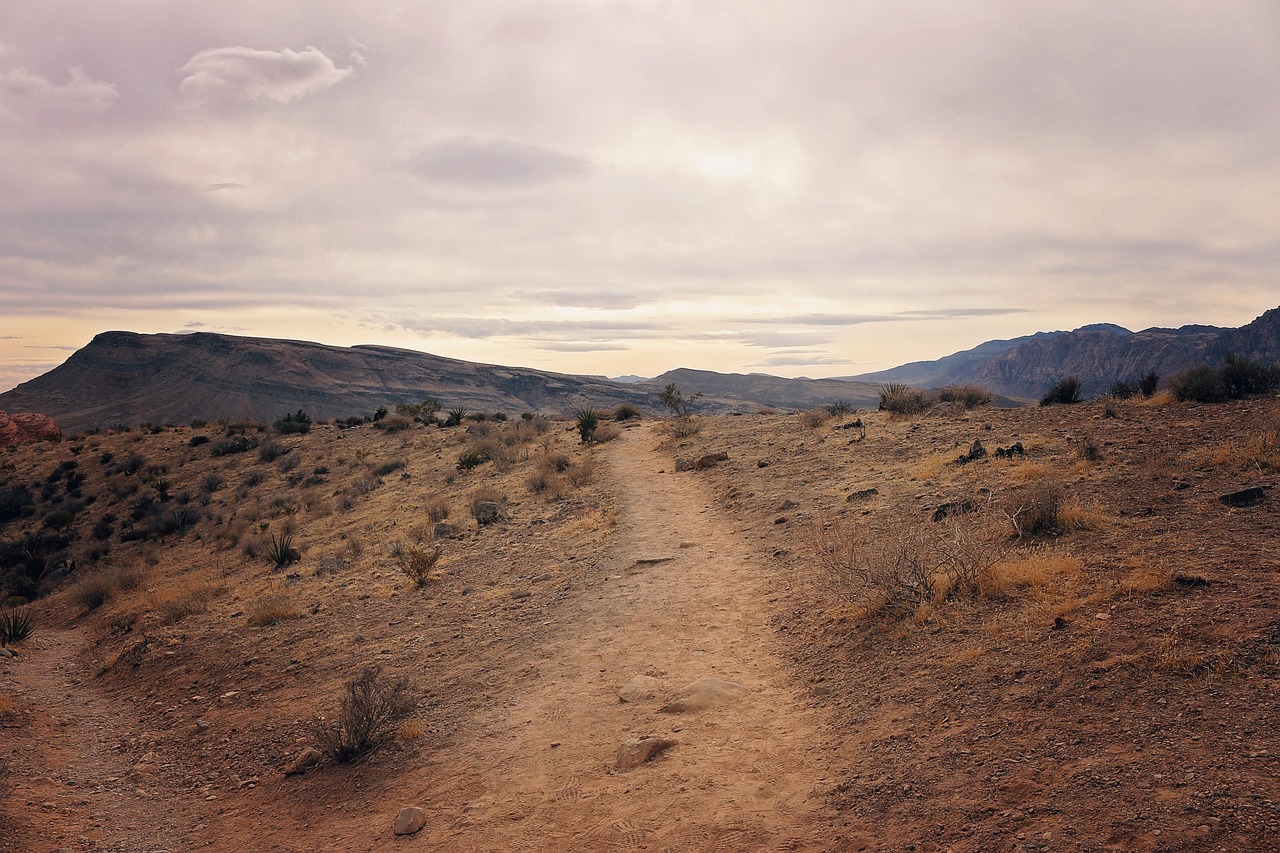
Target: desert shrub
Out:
[415,561]
[1149,382]
[393,423]
[425,410]
[280,550]
[271,451]
[683,426]
[131,465]
[15,501]
[16,625]
[1063,392]
[292,424]
[626,412]
[485,495]
[1245,377]
[968,396]
[1122,389]
[581,474]
[174,605]
[270,608]
[1089,449]
[900,399]
[587,422]
[470,458]
[389,467]
[674,401]
[369,711]
[454,417]
[1040,507]
[438,510]
[1200,384]
[814,418]
[91,592]
[197,440]
[839,408]
[893,572]
[212,482]
[104,527]
[232,444]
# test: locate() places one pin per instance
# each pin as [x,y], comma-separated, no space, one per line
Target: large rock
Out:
[638,750]
[27,426]
[639,688]
[703,694]
[410,820]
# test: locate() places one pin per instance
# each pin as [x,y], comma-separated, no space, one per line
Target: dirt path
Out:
[76,783]
[540,774]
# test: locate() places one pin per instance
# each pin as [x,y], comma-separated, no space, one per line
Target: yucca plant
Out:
[16,625]
[588,420]
[281,551]
[455,417]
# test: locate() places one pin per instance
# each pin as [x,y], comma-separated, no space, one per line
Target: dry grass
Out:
[1076,516]
[928,468]
[172,604]
[1144,579]
[1029,574]
[1028,472]
[271,608]
[8,708]
[1261,452]
[814,418]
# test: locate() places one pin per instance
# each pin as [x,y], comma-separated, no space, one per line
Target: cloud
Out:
[26,94]
[586,346]
[578,331]
[818,319]
[496,163]
[228,74]
[802,360]
[225,185]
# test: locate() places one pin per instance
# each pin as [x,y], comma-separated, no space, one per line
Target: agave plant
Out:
[454,417]
[281,551]
[588,420]
[16,625]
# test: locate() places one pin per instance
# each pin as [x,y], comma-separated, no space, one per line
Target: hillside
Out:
[761,389]
[1099,354]
[123,377]
[1092,668]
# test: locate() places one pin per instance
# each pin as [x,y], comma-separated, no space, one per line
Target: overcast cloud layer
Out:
[811,188]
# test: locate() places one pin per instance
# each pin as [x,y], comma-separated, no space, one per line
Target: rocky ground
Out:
[1107,685]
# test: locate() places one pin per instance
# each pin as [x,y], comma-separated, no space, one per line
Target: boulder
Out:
[638,750]
[489,512]
[639,688]
[25,427]
[703,694]
[1244,497]
[711,459]
[953,508]
[410,820]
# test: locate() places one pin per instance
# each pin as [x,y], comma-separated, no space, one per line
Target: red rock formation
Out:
[28,426]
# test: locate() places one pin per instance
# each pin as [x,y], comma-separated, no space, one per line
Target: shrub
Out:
[900,399]
[1089,449]
[415,561]
[1149,382]
[1122,389]
[968,396]
[454,417]
[1244,377]
[270,608]
[1200,384]
[683,427]
[626,412]
[1041,508]
[280,551]
[91,592]
[388,467]
[839,408]
[393,423]
[1065,392]
[16,625]
[290,424]
[438,510]
[471,458]
[271,451]
[605,433]
[14,501]
[230,445]
[814,418]
[370,710]
[587,421]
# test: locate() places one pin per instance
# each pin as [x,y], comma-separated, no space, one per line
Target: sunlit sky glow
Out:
[592,186]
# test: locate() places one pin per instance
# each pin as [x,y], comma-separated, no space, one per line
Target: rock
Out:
[638,750]
[953,508]
[976,451]
[639,688]
[25,427]
[711,459]
[1245,497]
[308,758]
[684,464]
[787,504]
[520,594]
[1011,451]
[703,694]
[762,463]
[489,512]
[410,820]
[862,495]
[444,530]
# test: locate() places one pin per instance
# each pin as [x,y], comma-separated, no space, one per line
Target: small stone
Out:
[703,694]
[308,758]
[862,494]
[711,459]
[1244,497]
[489,512]
[410,820]
[786,505]
[684,464]
[638,750]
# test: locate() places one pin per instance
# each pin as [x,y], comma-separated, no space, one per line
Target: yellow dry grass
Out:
[1261,451]
[928,468]
[1029,472]
[1076,516]
[270,608]
[1029,573]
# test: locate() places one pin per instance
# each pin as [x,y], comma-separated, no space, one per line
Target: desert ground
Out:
[1080,653]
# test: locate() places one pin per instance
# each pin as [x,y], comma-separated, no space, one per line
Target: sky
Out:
[628,186]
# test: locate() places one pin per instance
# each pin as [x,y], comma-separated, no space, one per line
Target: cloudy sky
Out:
[625,186]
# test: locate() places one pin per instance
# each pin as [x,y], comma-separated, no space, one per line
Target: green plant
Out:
[839,408]
[674,401]
[1245,377]
[1200,384]
[370,709]
[454,417]
[1122,389]
[1065,391]
[16,625]
[470,458]
[280,551]
[587,421]
[899,399]
[300,422]
[1148,383]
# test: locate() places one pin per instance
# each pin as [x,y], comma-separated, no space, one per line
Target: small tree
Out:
[369,711]
[674,401]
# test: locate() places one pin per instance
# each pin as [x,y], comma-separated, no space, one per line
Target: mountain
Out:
[124,377]
[764,390]
[1100,354]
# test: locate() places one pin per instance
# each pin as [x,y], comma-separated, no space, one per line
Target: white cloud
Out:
[26,94]
[264,76]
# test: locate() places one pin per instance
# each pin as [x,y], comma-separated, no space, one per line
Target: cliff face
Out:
[1100,355]
[123,377]
[27,426]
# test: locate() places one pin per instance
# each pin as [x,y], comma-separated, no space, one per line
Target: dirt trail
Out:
[76,786]
[540,772]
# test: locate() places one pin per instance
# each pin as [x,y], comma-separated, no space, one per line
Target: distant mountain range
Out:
[1098,354]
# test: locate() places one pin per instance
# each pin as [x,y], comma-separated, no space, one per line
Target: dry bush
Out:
[415,561]
[370,711]
[928,468]
[438,510]
[485,494]
[1146,580]
[1039,507]
[582,473]
[968,396]
[893,572]
[605,432]
[1073,515]
[173,604]
[92,591]
[1028,572]
[548,483]
[1261,452]
[814,418]
[555,462]
[270,608]
[682,427]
